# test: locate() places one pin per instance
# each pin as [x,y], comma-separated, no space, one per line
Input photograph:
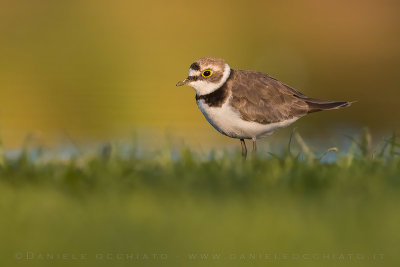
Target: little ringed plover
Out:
[247,104]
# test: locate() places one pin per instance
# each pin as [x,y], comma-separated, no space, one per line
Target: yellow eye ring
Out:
[206,73]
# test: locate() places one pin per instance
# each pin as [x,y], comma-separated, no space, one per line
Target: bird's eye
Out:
[206,73]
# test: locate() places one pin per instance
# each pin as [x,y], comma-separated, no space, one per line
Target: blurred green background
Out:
[96,70]
[82,72]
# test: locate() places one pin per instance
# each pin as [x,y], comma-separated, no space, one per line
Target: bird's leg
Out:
[244,149]
[254,147]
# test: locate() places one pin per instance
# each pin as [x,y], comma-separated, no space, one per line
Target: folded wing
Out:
[263,99]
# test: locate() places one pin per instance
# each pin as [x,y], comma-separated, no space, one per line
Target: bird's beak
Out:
[180,83]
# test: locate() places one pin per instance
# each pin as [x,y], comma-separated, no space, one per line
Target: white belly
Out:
[228,122]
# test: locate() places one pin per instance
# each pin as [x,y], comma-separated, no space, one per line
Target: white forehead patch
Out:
[204,87]
[193,72]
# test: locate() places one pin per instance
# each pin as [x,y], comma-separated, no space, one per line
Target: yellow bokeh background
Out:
[96,70]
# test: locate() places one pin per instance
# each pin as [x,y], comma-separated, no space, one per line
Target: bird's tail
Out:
[315,105]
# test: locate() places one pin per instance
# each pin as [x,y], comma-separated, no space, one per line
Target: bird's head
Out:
[207,75]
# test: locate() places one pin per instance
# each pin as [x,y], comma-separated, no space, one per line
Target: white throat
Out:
[205,87]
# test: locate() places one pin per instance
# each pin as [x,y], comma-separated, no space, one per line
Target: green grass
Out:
[292,209]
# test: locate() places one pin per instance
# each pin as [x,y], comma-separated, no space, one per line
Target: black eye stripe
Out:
[193,78]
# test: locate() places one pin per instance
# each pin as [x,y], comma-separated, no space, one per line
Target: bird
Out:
[246,104]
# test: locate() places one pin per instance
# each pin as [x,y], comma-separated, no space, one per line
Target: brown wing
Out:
[263,99]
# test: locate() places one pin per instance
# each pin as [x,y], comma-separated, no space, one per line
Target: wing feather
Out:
[263,99]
